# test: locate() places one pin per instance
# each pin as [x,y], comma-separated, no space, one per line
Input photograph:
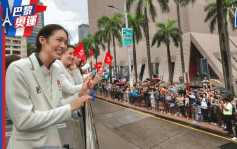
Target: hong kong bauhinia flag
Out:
[80,52]
[98,65]
[92,54]
[108,59]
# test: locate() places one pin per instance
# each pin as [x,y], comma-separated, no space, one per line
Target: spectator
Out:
[227,112]
[9,59]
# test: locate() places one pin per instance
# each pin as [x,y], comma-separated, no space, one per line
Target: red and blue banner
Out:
[22,17]
[2,82]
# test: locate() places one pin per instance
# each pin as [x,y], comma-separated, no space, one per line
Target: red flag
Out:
[92,54]
[108,59]
[98,65]
[101,69]
[80,52]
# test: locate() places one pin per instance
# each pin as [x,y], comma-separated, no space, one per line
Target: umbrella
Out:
[120,84]
[216,83]
[172,90]
[223,90]
[180,87]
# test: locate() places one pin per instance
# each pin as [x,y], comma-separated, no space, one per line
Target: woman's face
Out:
[77,60]
[68,57]
[55,45]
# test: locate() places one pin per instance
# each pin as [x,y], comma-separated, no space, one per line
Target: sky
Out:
[67,13]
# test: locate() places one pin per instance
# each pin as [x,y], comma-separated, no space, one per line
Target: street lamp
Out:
[128,48]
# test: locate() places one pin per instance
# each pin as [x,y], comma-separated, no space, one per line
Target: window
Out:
[16,42]
[155,68]
[16,52]
[8,41]
[16,47]
[8,52]
[7,46]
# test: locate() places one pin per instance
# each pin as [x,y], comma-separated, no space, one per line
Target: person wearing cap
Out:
[227,111]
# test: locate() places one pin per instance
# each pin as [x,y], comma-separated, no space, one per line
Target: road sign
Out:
[127,36]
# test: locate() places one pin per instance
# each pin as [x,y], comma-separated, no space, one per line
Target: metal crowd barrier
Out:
[91,135]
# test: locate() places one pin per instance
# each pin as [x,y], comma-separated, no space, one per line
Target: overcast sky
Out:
[68,13]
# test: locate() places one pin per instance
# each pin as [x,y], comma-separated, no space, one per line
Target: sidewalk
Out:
[192,123]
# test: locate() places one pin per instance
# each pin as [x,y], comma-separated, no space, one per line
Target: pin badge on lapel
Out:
[58,82]
[38,90]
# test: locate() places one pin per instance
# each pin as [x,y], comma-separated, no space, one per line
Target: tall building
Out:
[83,31]
[198,42]
[40,24]
[16,45]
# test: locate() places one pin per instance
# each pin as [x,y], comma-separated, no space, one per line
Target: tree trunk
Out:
[110,74]
[169,64]
[225,48]
[146,31]
[115,59]
[134,57]
[181,40]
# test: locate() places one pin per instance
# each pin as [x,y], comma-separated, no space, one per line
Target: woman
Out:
[81,68]
[34,93]
[71,79]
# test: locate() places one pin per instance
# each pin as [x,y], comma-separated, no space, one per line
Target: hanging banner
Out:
[127,36]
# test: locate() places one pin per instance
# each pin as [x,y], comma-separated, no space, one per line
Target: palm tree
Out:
[167,31]
[223,11]
[112,27]
[178,4]
[136,23]
[228,6]
[142,7]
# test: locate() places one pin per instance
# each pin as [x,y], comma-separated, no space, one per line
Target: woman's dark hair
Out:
[47,31]
[11,58]
[71,46]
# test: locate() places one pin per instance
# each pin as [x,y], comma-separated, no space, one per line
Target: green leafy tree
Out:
[136,23]
[222,12]
[228,6]
[30,49]
[166,32]
[111,28]
[142,7]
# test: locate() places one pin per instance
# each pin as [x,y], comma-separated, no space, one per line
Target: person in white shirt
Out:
[204,106]
[34,93]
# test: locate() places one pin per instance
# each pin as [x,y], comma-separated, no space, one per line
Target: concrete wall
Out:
[192,21]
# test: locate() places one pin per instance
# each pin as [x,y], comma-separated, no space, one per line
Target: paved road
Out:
[120,128]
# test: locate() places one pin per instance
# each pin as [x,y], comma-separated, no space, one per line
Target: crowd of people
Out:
[202,103]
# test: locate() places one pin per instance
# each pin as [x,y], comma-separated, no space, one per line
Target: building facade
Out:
[36,29]
[198,42]
[83,31]
[16,46]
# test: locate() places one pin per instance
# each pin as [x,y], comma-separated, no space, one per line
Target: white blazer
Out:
[72,81]
[33,112]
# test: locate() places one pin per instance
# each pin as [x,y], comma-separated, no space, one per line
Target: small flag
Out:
[92,54]
[80,52]
[98,65]
[38,90]
[108,59]
[101,69]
